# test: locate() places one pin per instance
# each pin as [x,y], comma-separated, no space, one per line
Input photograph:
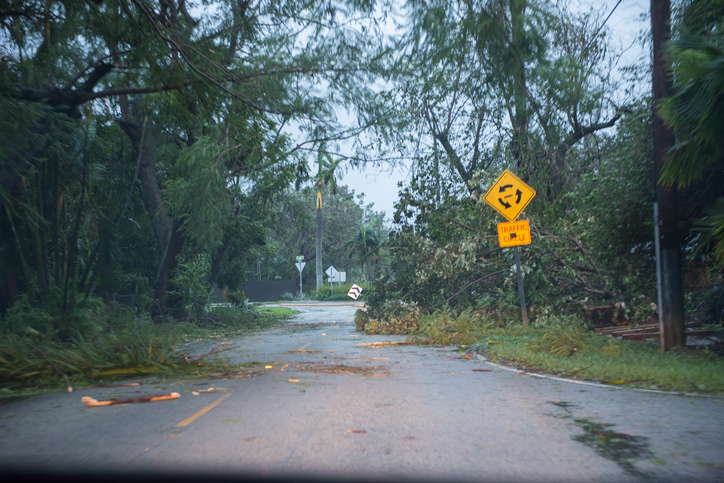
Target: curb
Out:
[595,384]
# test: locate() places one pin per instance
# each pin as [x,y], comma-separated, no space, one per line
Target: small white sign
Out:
[354,291]
[300,266]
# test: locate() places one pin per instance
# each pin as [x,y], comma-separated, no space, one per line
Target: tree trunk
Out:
[672,297]
[216,261]
[168,240]
[168,264]
[318,261]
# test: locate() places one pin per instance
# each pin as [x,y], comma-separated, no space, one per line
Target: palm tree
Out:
[325,176]
[366,245]
[695,114]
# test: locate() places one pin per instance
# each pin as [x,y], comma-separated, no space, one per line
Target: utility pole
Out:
[671,303]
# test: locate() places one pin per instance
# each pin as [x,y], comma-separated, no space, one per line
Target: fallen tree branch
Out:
[216,350]
[130,400]
[471,283]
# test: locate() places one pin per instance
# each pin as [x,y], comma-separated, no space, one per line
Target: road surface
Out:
[313,401]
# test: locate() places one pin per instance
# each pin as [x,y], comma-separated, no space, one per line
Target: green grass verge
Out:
[615,362]
[279,313]
[562,346]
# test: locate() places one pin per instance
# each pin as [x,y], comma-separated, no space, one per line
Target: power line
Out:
[599,28]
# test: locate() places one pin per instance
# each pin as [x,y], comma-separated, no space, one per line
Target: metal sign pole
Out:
[300,266]
[509,196]
[331,282]
[521,292]
[657,245]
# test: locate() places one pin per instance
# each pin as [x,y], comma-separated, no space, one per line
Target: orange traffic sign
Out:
[514,233]
[509,195]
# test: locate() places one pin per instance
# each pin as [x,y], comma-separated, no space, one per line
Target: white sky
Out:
[380,185]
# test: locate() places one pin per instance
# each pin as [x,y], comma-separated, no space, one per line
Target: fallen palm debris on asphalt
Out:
[130,400]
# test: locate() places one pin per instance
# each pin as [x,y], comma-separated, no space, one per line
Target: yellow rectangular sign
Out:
[514,233]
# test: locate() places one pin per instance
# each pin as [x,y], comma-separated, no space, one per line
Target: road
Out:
[330,407]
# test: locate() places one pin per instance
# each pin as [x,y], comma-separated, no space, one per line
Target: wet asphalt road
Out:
[330,407]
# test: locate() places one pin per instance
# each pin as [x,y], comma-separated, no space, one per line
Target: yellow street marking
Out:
[197,415]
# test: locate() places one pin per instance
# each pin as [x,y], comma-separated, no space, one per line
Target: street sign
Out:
[300,258]
[354,291]
[300,267]
[509,195]
[333,275]
[514,233]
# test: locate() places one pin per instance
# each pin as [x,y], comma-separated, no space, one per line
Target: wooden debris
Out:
[383,344]
[644,332]
[208,391]
[130,400]
[216,350]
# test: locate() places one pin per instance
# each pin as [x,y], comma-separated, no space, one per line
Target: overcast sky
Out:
[380,185]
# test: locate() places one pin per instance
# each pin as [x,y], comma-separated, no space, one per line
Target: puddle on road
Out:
[621,448]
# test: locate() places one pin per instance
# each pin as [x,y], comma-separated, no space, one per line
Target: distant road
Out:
[331,405]
[321,303]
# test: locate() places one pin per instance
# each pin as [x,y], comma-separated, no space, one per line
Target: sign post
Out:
[333,275]
[300,266]
[509,196]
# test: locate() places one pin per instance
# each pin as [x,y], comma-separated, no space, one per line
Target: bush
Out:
[340,292]
[120,343]
[191,286]
[360,320]
[237,299]
[50,320]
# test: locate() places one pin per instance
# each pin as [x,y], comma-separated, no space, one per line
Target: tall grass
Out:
[125,346]
[108,340]
[563,345]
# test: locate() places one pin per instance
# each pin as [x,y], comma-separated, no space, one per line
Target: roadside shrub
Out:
[340,292]
[190,284]
[405,323]
[360,320]
[49,318]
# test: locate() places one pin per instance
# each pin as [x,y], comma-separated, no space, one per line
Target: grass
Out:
[617,363]
[277,312]
[563,346]
[121,345]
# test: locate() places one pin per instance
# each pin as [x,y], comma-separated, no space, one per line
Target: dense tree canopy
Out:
[138,136]
[188,104]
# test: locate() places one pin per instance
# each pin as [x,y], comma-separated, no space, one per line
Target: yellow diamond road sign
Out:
[509,195]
